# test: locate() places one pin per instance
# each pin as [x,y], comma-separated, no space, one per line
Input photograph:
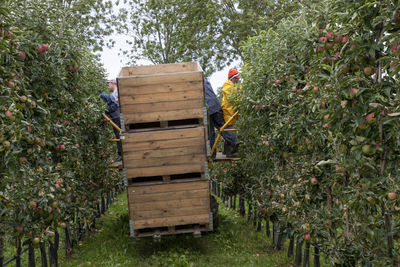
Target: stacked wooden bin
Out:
[164,142]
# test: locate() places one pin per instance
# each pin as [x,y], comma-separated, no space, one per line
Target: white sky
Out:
[113,62]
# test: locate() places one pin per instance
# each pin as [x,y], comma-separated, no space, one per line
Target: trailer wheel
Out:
[214,210]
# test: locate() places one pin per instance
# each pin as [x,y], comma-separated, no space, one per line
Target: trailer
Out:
[164,136]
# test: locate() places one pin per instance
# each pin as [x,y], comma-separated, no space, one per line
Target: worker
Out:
[217,120]
[112,86]
[230,90]
[113,113]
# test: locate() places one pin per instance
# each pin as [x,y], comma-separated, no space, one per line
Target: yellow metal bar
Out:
[219,134]
[229,130]
[112,123]
[114,140]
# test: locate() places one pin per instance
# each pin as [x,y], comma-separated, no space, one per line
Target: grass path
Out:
[235,243]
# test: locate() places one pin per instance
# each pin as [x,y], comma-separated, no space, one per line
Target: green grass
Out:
[235,243]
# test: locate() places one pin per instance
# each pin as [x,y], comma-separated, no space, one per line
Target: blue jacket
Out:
[211,99]
[112,105]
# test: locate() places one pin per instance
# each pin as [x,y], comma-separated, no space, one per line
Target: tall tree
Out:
[173,31]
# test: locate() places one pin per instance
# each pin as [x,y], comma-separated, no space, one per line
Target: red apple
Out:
[353,91]
[338,38]
[33,204]
[370,118]
[345,39]
[369,71]
[314,180]
[326,117]
[45,47]
[39,48]
[36,240]
[307,237]
[22,55]
[315,89]
[392,195]
[277,81]
[371,200]
[264,210]
[326,126]
[54,204]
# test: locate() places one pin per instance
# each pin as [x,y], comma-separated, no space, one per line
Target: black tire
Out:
[214,210]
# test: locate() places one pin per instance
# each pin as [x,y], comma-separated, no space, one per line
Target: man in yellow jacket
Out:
[230,90]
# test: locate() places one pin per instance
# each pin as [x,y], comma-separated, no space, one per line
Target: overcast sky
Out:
[113,62]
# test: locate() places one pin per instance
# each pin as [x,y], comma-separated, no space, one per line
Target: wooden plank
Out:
[173,204]
[131,88]
[171,221]
[134,197]
[166,161]
[138,215]
[163,116]
[164,170]
[160,78]
[161,97]
[163,135]
[168,187]
[160,68]
[162,106]
[160,153]
[150,145]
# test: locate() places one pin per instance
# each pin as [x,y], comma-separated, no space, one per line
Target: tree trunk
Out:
[18,256]
[43,256]
[316,257]
[291,247]
[254,215]
[306,261]
[242,209]
[31,256]
[68,244]
[1,249]
[259,224]
[249,214]
[299,252]
[53,251]
[267,230]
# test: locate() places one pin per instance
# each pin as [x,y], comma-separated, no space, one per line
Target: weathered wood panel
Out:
[172,221]
[132,118]
[161,68]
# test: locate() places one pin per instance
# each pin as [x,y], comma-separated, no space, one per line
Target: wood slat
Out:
[161,97]
[150,145]
[166,161]
[173,204]
[172,221]
[160,78]
[131,88]
[163,135]
[160,68]
[162,106]
[160,153]
[168,187]
[164,170]
[163,116]
[141,215]
[135,198]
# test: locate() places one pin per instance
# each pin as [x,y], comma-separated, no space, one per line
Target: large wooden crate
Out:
[160,96]
[162,156]
[170,208]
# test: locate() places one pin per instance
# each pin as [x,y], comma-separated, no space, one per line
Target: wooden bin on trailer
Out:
[165,147]
[161,96]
